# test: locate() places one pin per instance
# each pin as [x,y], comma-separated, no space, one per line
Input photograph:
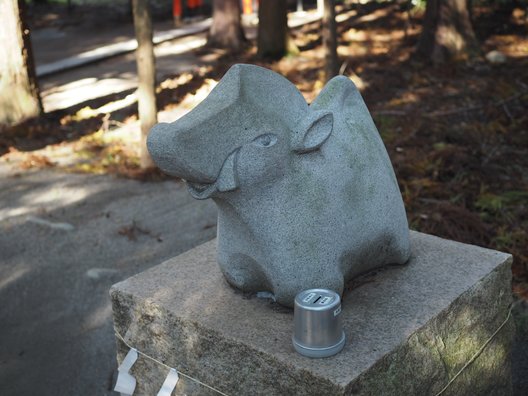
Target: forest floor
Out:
[456,134]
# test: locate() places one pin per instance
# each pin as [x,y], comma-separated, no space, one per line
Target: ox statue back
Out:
[306,195]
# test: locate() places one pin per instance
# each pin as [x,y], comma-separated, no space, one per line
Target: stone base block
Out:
[410,329]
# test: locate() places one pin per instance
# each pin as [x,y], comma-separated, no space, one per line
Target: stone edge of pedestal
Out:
[262,371]
[445,344]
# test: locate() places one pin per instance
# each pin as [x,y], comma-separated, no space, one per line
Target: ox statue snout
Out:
[164,144]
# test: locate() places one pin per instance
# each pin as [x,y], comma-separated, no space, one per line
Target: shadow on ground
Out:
[65,239]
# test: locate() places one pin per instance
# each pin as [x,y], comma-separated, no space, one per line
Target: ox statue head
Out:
[242,134]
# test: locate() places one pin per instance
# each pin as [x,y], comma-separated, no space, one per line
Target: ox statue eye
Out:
[266,140]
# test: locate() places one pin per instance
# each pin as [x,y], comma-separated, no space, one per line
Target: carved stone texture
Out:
[306,195]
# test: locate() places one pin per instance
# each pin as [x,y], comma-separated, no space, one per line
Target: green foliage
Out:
[493,203]
[387,128]
[509,239]
[418,5]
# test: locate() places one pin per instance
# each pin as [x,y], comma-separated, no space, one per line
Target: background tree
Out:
[447,32]
[320,6]
[272,40]
[226,29]
[330,40]
[148,115]
[19,94]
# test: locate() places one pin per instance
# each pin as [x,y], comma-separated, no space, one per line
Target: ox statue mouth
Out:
[226,181]
[201,190]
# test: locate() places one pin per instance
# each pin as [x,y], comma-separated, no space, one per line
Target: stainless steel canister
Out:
[317,323]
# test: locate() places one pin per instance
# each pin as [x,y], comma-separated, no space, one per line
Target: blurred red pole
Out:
[176,8]
[247,6]
[177,11]
[194,3]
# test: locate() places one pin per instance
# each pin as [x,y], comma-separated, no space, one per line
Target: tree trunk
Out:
[146,70]
[447,32]
[320,6]
[272,40]
[330,40]
[300,7]
[19,94]
[226,29]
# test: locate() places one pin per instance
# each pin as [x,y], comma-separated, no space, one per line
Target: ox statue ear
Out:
[314,131]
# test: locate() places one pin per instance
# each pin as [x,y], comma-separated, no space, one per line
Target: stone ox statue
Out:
[306,195]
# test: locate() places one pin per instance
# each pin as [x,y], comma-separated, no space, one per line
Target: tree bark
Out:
[272,39]
[447,33]
[330,40]
[146,70]
[19,93]
[226,29]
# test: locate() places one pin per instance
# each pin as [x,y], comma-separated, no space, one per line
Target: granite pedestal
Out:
[410,329]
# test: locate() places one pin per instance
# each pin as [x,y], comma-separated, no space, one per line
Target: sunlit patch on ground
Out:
[114,146]
[99,152]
